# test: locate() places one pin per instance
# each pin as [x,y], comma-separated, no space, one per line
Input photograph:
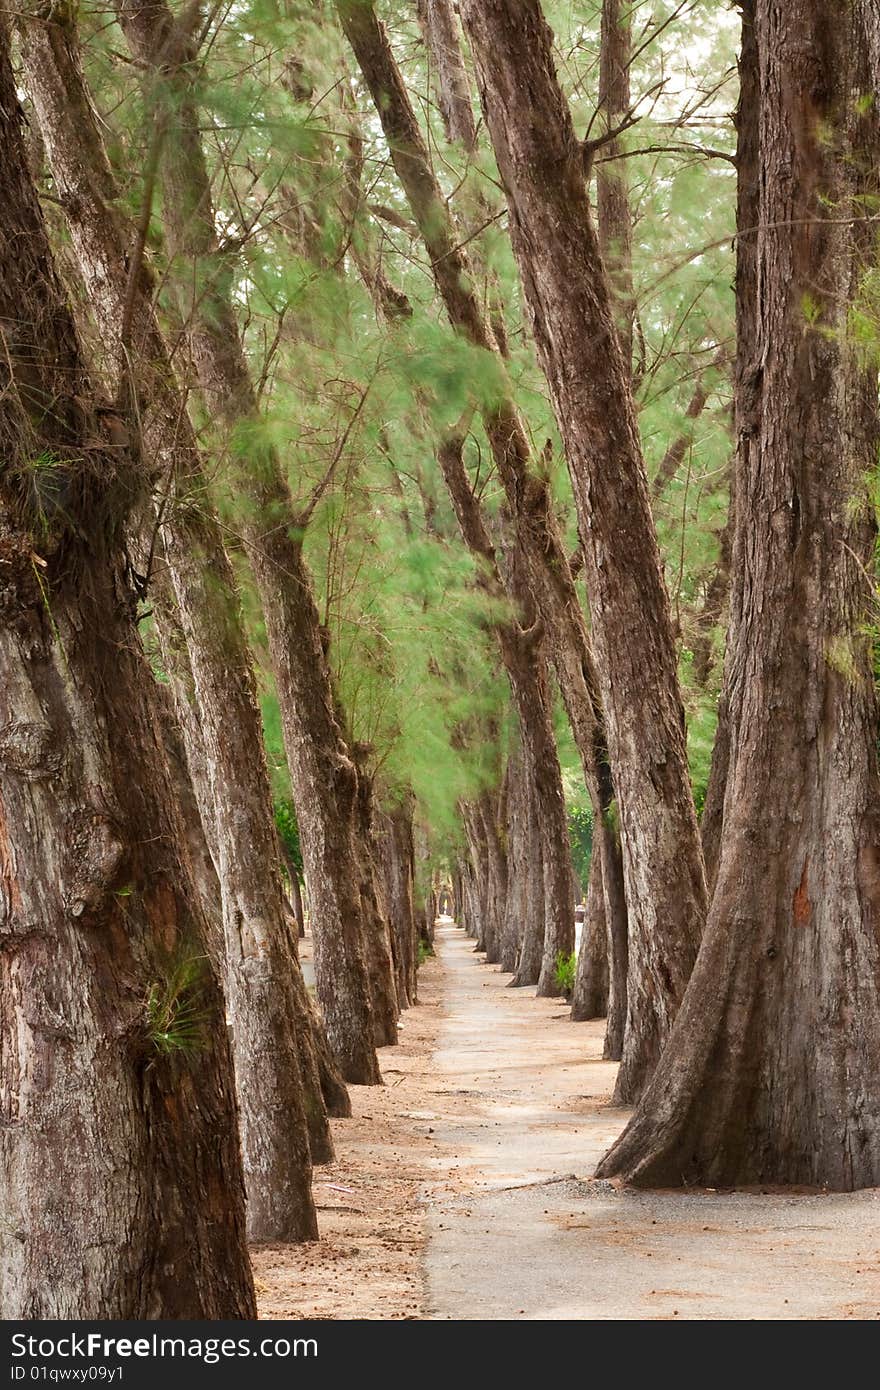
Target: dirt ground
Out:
[462,1190]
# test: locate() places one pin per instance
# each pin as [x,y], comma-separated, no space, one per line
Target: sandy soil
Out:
[461,1190]
[372,1201]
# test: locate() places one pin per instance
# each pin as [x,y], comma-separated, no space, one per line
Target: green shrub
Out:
[565,971]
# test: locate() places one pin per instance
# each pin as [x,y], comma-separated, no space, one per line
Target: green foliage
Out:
[564,974]
[425,952]
[580,833]
[176,1016]
[702,722]
[288,831]
[355,405]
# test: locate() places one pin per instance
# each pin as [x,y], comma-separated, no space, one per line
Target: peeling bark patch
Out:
[94,855]
[801,905]
[29,748]
[10,895]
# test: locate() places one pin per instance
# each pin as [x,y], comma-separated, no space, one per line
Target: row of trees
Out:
[323,389]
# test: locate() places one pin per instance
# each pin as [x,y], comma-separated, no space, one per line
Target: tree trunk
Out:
[487,806]
[111,1016]
[518,803]
[297,899]
[772,1071]
[590,995]
[469,901]
[441,34]
[377,924]
[613,215]
[323,1094]
[747,413]
[426,891]
[616,924]
[323,775]
[225,733]
[323,1090]
[479,857]
[398,860]
[542,167]
[531,950]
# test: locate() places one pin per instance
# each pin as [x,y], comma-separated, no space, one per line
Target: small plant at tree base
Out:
[565,972]
[424,953]
[175,1007]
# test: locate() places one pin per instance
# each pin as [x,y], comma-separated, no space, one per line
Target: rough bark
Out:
[747,411]
[297,900]
[200,858]
[518,803]
[542,167]
[472,898]
[613,214]
[531,948]
[489,807]
[428,891]
[441,33]
[323,775]
[771,1070]
[377,925]
[397,846]
[589,997]
[616,924]
[479,874]
[98,907]
[223,729]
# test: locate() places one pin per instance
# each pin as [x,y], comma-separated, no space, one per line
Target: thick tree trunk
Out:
[472,899]
[398,861]
[376,918]
[488,808]
[223,731]
[426,891]
[323,775]
[613,215]
[531,950]
[297,900]
[323,1090]
[616,925]
[747,414]
[590,994]
[772,1071]
[518,803]
[111,1016]
[171,703]
[542,166]
[479,863]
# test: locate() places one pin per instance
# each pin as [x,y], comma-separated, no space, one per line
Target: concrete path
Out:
[517,1229]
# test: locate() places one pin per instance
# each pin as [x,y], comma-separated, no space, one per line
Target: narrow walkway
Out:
[519,1115]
